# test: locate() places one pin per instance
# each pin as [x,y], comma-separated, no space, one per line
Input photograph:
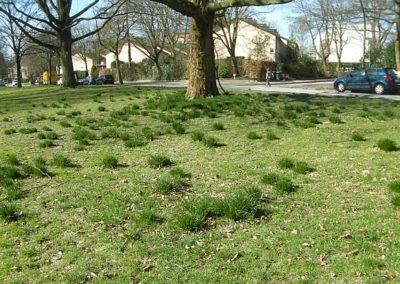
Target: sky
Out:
[278,16]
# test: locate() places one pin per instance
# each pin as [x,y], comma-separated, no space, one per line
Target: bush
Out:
[159,161]
[387,145]
[110,162]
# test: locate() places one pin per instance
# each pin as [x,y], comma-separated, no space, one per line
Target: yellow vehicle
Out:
[46,78]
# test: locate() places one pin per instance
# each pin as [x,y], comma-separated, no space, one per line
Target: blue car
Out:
[373,79]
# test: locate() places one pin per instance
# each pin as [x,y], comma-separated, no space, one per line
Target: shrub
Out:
[61,161]
[395,186]
[253,135]
[159,161]
[10,131]
[179,128]
[110,162]
[387,145]
[358,137]
[286,163]
[197,136]
[302,168]
[9,212]
[218,126]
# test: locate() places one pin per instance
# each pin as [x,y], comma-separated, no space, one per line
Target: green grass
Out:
[226,214]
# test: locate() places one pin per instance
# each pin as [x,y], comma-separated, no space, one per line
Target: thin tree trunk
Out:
[234,62]
[19,72]
[202,78]
[86,66]
[120,80]
[50,67]
[397,41]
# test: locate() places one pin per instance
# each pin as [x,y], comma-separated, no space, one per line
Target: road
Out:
[312,87]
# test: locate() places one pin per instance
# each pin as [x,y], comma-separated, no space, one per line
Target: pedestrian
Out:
[268,77]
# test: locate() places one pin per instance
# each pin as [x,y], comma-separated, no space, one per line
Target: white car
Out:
[14,83]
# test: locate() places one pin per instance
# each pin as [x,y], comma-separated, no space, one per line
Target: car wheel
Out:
[379,89]
[340,87]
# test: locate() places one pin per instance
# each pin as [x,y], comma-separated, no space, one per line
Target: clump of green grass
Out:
[394,186]
[211,142]
[13,190]
[12,159]
[148,133]
[358,137]
[62,161]
[241,204]
[335,119]
[135,141]
[179,128]
[41,135]
[39,168]
[218,126]
[289,115]
[65,124]
[197,136]
[28,130]
[286,163]
[396,201]
[302,168]
[110,162]
[387,145]
[101,108]
[159,161]
[280,183]
[46,128]
[10,172]
[211,114]
[9,212]
[110,133]
[169,184]
[179,172]
[253,135]
[46,144]
[10,131]
[147,217]
[272,136]
[80,133]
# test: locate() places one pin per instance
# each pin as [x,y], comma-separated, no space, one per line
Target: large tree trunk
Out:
[19,72]
[66,60]
[397,40]
[202,78]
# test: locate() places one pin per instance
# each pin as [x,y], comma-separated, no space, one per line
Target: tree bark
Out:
[120,80]
[19,72]
[202,78]
[66,59]
[397,40]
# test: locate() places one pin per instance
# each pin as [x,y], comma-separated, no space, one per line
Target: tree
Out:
[3,62]
[55,18]
[228,25]
[14,39]
[202,77]
[397,37]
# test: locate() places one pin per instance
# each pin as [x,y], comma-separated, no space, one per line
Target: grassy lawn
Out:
[137,185]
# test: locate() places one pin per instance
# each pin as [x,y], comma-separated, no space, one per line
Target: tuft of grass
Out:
[197,135]
[270,178]
[241,204]
[211,142]
[335,119]
[28,130]
[302,168]
[46,144]
[62,161]
[135,141]
[387,145]
[110,162]
[178,172]
[179,128]
[101,108]
[170,184]
[80,133]
[147,217]
[10,131]
[358,137]
[41,135]
[253,135]
[286,163]
[396,201]
[218,126]
[394,186]
[9,212]
[280,183]
[159,161]
[46,128]
[10,172]
[65,124]
[272,136]
[12,159]
[13,190]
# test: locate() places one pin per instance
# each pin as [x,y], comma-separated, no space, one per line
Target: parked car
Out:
[107,79]
[84,81]
[14,82]
[2,83]
[60,82]
[374,79]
